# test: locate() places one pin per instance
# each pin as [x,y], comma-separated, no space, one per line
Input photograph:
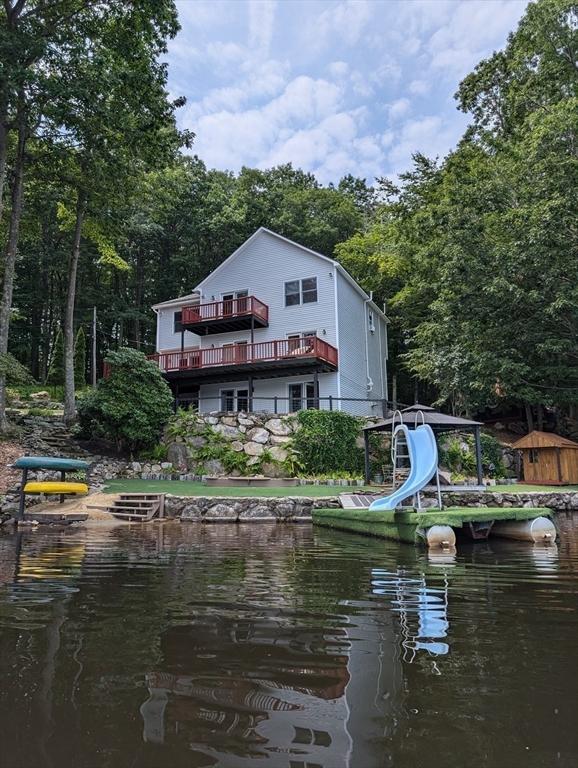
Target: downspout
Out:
[369,384]
[386,356]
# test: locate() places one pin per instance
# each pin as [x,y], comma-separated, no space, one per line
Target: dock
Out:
[438,527]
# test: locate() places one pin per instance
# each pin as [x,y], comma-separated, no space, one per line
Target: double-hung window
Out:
[178,322]
[234,400]
[301,291]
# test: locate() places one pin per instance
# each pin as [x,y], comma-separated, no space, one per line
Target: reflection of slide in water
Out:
[423,611]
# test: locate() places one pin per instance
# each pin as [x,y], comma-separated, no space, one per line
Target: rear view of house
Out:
[276,327]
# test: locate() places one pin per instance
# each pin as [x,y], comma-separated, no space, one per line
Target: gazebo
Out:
[439,422]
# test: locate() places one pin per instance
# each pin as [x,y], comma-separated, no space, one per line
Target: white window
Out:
[302,396]
[233,400]
[301,291]
[371,321]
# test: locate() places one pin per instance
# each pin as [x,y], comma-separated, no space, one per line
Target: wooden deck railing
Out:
[228,309]
[280,350]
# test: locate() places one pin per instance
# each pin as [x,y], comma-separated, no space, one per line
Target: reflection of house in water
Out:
[239,686]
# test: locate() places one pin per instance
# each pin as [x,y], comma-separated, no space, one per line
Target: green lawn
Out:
[186,488]
[523,488]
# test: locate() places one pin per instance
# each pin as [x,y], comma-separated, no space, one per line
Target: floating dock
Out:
[438,527]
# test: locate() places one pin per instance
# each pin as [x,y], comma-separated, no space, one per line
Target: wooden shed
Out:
[548,459]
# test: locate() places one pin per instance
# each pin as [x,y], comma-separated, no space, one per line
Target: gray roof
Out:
[436,420]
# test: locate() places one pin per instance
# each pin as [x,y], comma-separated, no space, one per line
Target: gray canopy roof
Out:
[440,422]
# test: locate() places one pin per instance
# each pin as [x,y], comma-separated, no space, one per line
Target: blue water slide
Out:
[423,457]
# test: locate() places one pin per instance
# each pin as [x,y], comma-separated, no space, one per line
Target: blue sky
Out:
[333,86]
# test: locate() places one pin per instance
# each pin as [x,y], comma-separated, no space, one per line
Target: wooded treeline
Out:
[476,256]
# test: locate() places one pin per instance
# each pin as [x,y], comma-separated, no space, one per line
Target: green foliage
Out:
[38,411]
[24,392]
[459,456]
[16,374]
[326,442]
[80,358]
[55,375]
[155,453]
[131,406]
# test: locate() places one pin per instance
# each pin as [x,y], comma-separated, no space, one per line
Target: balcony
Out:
[227,315]
[266,359]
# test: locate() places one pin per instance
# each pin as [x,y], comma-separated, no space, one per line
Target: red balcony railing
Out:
[279,350]
[227,309]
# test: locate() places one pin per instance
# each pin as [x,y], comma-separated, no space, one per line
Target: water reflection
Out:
[284,647]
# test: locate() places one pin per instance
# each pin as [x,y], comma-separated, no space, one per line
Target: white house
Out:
[276,327]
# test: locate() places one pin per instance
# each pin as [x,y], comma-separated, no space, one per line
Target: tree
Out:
[80,357]
[131,406]
[56,370]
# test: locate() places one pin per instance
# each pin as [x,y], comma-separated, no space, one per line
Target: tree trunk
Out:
[529,417]
[540,416]
[69,393]
[10,256]
[3,151]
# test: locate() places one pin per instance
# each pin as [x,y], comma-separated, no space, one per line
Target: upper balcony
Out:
[238,314]
[279,357]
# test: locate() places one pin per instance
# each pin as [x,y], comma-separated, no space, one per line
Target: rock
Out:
[258,435]
[237,445]
[196,442]
[278,427]
[214,467]
[156,468]
[253,449]
[272,470]
[220,512]
[278,453]
[228,432]
[257,512]
[253,460]
[211,420]
[166,465]
[246,421]
[136,467]
[231,421]
[40,396]
[280,439]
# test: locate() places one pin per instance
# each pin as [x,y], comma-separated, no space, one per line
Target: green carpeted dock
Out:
[410,525]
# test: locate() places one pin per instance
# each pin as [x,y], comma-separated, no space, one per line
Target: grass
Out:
[189,488]
[523,488]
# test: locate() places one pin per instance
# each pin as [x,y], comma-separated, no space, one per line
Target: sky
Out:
[332,86]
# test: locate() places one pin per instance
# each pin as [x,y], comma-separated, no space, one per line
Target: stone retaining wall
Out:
[237,509]
[298,508]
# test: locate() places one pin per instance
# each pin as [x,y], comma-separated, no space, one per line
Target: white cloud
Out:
[338,68]
[261,23]
[399,108]
[419,87]
[343,22]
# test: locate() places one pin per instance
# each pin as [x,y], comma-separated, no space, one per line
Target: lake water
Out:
[172,645]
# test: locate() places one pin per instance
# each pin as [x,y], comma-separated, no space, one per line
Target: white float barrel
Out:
[538,530]
[440,536]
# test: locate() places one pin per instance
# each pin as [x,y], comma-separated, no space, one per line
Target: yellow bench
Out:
[76,489]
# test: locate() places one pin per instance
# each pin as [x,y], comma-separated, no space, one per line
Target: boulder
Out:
[40,396]
[214,467]
[278,427]
[231,421]
[237,446]
[280,439]
[253,460]
[258,435]
[272,470]
[220,512]
[228,432]
[278,453]
[246,421]
[196,442]
[253,449]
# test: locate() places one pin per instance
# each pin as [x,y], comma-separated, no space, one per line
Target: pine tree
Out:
[56,370]
[80,358]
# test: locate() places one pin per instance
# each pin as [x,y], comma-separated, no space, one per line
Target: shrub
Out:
[131,406]
[16,373]
[326,442]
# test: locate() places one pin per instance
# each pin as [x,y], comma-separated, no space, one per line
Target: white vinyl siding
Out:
[168,339]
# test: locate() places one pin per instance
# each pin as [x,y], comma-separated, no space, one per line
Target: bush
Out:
[326,442]
[131,407]
[16,373]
